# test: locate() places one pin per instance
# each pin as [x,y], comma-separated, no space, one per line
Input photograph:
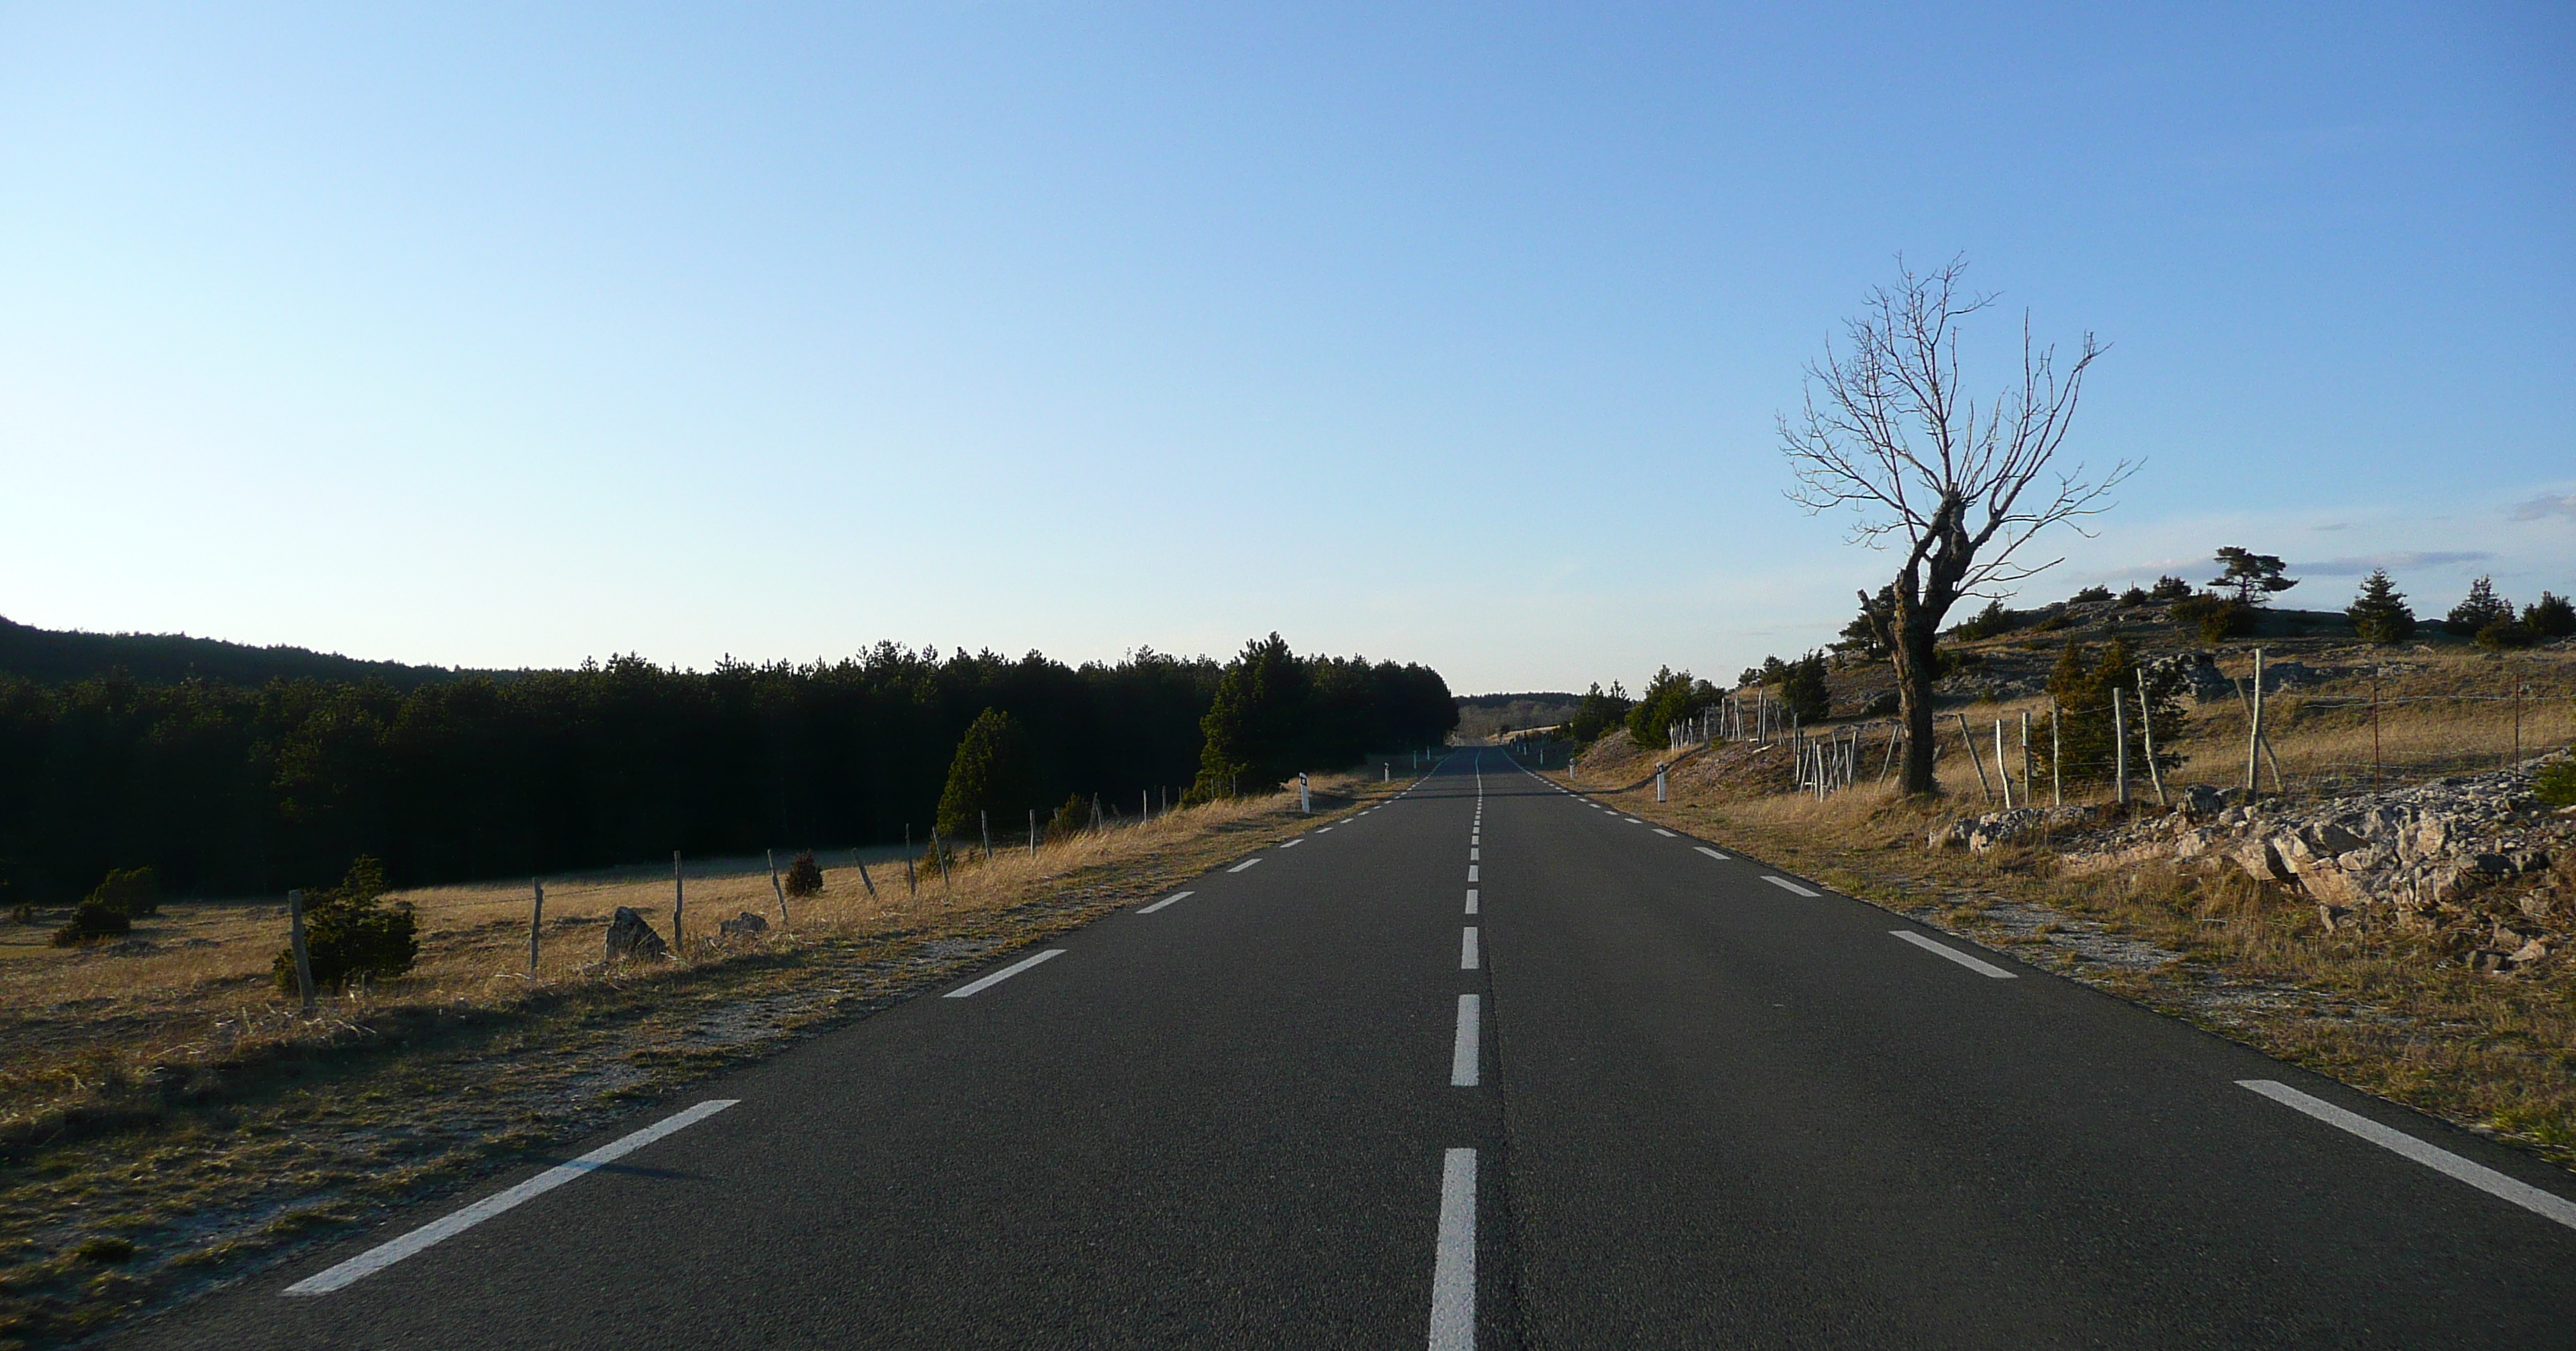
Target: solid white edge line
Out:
[1453,1264]
[1787,885]
[1004,974]
[1471,900]
[1177,895]
[1710,852]
[1467,949]
[383,1255]
[2545,1204]
[1244,864]
[1963,959]
[1463,1059]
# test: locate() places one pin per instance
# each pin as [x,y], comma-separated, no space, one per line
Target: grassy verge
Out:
[172,1125]
[2380,1011]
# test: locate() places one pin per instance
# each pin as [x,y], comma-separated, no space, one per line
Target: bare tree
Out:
[1887,432]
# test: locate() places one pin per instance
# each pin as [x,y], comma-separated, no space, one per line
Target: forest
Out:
[227,789]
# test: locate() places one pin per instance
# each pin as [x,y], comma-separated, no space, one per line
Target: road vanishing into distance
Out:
[1489,1065]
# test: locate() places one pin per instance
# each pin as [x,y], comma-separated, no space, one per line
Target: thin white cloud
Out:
[2394,562]
[2546,505]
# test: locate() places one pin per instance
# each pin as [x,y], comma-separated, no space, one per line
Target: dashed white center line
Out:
[1244,864]
[1453,1264]
[1963,959]
[1175,896]
[1473,852]
[1004,974]
[1471,900]
[1666,833]
[383,1255]
[1463,1054]
[1467,949]
[2440,1160]
[1710,852]
[1471,872]
[1786,885]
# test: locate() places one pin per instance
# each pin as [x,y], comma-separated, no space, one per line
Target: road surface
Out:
[1493,1066]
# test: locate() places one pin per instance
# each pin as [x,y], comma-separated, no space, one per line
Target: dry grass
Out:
[170,1120]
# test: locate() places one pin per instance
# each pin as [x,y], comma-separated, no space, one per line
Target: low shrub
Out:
[2135,596]
[93,923]
[1071,819]
[2091,594]
[2217,618]
[2556,784]
[106,1252]
[2504,635]
[350,934]
[2551,617]
[2170,588]
[130,891]
[804,876]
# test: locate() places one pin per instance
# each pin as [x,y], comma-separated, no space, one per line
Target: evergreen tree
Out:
[2253,577]
[2083,687]
[2487,617]
[1670,698]
[350,934]
[2551,617]
[2380,613]
[989,773]
[1804,692]
[1254,728]
[1599,712]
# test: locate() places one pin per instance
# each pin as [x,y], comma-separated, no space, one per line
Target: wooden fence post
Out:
[2147,729]
[2119,747]
[2027,779]
[295,943]
[1968,739]
[984,819]
[679,896]
[774,887]
[864,880]
[911,878]
[2056,759]
[2003,775]
[536,917]
[2254,732]
[1033,832]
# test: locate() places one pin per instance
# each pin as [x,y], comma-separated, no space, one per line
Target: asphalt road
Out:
[1487,1066]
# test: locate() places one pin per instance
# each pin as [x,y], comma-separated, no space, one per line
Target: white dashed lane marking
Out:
[1786,885]
[1175,896]
[1963,959]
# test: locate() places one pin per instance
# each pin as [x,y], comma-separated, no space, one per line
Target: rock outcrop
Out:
[630,938]
[2474,858]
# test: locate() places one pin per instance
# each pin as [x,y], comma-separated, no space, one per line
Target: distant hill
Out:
[50,657]
[1483,716]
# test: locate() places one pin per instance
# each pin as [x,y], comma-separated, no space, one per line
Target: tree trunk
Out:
[1914,666]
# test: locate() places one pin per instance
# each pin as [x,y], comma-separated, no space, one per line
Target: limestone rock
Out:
[630,938]
[744,925]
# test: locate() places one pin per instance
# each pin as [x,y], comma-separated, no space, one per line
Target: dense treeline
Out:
[232,790]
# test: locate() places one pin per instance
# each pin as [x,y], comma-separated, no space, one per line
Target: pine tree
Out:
[1254,730]
[2551,617]
[2084,690]
[2253,577]
[2482,607]
[988,774]
[350,934]
[1804,690]
[2380,613]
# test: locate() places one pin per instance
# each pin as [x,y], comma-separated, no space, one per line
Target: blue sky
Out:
[509,336]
